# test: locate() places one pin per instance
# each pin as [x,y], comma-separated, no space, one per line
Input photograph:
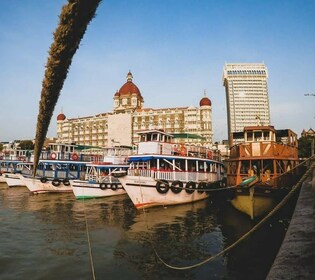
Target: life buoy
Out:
[74,156]
[114,187]
[53,156]
[183,150]
[177,186]
[209,154]
[201,187]
[162,186]
[55,182]
[103,186]
[66,182]
[190,187]
[43,179]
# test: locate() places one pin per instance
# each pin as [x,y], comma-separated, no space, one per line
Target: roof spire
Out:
[129,77]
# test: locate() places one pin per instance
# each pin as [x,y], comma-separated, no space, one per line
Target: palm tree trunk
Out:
[73,21]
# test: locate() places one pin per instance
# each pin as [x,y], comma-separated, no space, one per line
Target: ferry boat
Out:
[8,166]
[262,165]
[54,176]
[13,178]
[101,177]
[163,173]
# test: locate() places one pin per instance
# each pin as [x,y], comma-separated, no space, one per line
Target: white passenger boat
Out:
[163,173]
[100,177]
[14,179]
[8,168]
[54,176]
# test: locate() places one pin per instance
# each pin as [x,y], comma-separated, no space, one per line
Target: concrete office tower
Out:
[246,95]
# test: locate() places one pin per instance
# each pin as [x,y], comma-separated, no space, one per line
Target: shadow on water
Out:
[44,237]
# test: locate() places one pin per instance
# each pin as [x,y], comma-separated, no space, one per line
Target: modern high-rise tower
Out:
[246,95]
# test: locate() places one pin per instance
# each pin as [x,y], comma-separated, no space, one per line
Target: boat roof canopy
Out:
[188,136]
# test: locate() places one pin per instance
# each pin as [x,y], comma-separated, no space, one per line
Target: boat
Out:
[54,176]
[101,178]
[13,179]
[163,173]
[262,165]
[15,161]
[8,166]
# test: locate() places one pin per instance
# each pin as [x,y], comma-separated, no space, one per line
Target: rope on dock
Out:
[258,225]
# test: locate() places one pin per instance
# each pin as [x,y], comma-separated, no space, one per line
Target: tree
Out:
[26,145]
[306,146]
[73,21]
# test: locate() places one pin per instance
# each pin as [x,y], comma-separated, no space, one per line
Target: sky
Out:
[175,49]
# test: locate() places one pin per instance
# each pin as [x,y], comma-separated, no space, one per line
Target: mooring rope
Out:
[258,225]
[88,240]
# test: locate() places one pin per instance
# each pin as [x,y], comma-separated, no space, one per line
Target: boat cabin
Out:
[117,154]
[264,134]
[262,150]
[155,142]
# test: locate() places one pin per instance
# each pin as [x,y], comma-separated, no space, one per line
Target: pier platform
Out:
[296,257]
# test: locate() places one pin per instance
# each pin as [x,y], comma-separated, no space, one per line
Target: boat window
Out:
[257,135]
[249,136]
[268,165]
[154,137]
[244,167]
[191,165]
[266,135]
[201,166]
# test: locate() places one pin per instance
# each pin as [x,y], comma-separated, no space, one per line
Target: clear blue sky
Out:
[175,49]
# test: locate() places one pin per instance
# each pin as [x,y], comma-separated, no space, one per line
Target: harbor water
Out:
[50,236]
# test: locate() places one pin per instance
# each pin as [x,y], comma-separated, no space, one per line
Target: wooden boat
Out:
[101,177]
[262,165]
[164,173]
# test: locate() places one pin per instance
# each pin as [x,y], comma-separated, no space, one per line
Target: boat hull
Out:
[254,201]
[85,189]
[36,186]
[144,194]
[13,180]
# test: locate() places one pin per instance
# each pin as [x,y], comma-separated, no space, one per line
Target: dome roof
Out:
[129,87]
[205,101]
[61,117]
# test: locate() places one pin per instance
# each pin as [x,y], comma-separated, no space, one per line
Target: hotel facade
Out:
[246,92]
[190,125]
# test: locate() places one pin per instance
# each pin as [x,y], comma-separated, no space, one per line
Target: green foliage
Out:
[26,145]
[305,146]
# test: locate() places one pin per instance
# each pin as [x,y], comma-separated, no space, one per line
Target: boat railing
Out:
[58,174]
[101,179]
[170,175]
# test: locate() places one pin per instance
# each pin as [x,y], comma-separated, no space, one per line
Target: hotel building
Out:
[191,125]
[246,95]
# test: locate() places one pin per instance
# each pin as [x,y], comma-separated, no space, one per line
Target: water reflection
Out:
[51,229]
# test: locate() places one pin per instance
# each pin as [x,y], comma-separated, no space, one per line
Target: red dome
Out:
[129,88]
[61,117]
[205,102]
